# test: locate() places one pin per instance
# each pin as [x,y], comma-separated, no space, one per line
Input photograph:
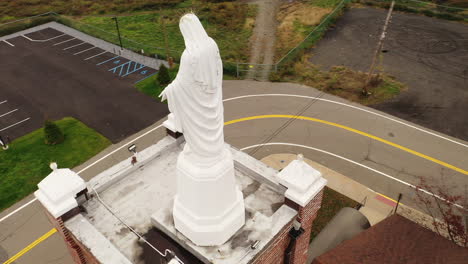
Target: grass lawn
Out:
[230,24]
[27,160]
[341,81]
[10,10]
[332,202]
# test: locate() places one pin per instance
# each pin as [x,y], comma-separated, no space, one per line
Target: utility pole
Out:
[118,31]
[378,49]
[166,44]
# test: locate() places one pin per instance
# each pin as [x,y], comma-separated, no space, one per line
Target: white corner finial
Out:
[300,157]
[53,166]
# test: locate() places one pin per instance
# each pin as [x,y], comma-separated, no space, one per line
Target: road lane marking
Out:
[8,43]
[17,123]
[351,106]
[388,198]
[99,160]
[17,210]
[2,102]
[249,147]
[354,162]
[7,113]
[63,41]
[75,45]
[95,55]
[445,164]
[84,50]
[31,246]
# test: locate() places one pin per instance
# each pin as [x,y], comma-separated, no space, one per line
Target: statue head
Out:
[203,53]
[193,32]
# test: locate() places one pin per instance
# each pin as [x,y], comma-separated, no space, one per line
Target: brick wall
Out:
[79,253]
[275,252]
[306,217]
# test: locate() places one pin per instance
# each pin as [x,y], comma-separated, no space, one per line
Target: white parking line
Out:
[8,43]
[351,106]
[75,45]
[63,42]
[84,50]
[55,37]
[28,38]
[3,102]
[95,55]
[41,40]
[17,123]
[7,113]
[356,163]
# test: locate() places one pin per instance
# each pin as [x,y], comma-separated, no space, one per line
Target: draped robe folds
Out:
[195,96]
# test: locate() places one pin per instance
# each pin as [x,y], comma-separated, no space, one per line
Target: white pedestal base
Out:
[208,207]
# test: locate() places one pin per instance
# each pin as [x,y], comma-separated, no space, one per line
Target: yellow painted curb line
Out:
[445,164]
[30,246]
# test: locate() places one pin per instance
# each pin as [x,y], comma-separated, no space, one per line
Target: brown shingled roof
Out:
[396,240]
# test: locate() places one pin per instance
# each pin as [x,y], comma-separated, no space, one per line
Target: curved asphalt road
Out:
[401,151]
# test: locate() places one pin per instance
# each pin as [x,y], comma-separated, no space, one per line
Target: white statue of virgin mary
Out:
[208,206]
[195,96]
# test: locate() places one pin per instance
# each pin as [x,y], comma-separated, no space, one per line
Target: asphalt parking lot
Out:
[50,75]
[429,55]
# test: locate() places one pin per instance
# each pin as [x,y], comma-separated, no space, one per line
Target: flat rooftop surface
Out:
[148,189]
[50,74]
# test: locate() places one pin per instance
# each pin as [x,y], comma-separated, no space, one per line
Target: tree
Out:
[448,211]
[163,76]
[52,133]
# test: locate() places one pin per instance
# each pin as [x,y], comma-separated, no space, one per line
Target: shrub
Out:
[163,75]
[428,13]
[52,133]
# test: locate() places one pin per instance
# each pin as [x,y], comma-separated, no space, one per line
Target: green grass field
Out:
[224,22]
[27,160]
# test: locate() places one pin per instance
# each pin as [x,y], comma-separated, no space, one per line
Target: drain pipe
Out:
[295,232]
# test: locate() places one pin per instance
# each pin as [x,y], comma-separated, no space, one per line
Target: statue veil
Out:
[195,96]
[206,58]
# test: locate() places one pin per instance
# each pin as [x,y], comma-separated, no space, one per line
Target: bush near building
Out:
[163,75]
[52,133]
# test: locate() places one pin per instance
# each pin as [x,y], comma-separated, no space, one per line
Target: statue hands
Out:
[163,95]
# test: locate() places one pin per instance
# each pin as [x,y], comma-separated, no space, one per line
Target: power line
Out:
[286,124]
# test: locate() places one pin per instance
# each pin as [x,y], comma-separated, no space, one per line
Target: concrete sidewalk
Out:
[376,206]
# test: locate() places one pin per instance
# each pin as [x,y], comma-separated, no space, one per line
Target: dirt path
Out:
[263,39]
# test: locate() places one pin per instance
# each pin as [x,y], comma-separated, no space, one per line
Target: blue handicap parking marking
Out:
[144,72]
[127,68]
[116,62]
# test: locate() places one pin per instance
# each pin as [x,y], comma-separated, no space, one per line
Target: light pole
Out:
[118,31]
[3,143]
